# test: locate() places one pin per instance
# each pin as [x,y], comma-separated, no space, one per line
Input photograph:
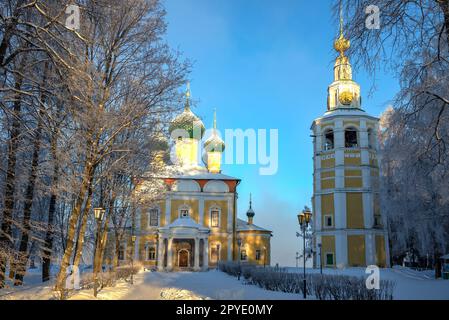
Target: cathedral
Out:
[348,225]
[196,225]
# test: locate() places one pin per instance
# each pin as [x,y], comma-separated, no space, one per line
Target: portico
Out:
[184,246]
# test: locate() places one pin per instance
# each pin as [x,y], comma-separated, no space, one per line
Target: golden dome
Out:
[342,44]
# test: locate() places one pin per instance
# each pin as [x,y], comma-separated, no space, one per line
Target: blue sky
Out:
[266,65]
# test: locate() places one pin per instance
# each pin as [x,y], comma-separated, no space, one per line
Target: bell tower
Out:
[348,224]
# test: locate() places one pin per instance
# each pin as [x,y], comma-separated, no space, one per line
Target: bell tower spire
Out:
[187,94]
[344,92]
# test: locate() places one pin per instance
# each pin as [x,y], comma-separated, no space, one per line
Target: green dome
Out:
[189,122]
[214,143]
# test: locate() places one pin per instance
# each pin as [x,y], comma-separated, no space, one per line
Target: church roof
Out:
[201,173]
[242,225]
[185,223]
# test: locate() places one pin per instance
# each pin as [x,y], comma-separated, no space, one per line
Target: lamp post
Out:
[297,259]
[304,219]
[239,243]
[218,255]
[133,240]
[98,213]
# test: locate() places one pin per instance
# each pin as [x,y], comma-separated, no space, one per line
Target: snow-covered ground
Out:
[149,285]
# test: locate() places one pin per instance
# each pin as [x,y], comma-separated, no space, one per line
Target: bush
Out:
[323,287]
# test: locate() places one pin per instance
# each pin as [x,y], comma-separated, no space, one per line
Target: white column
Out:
[230,208]
[340,210]
[206,254]
[170,254]
[341,248]
[230,247]
[368,214]
[370,252]
[196,260]
[339,134]
[160,254]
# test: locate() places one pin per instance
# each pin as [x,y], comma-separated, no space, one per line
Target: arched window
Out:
[151,252]
[371,141]
[329,139]
[351,139]
[153,217]
[215,217]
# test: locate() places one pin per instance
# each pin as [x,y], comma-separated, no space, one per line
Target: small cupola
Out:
[250,213]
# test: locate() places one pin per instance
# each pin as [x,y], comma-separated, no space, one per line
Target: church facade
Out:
[196,225]
[348,224]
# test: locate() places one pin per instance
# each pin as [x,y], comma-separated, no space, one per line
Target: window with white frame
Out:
[215,218]
[184,212]
[328,221]
[153,218]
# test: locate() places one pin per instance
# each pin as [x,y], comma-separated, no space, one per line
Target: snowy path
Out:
[410,284]
[212,285]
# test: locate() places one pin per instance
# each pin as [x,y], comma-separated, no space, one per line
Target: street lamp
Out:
[304,219]
[239,243]
[297,259]
[133,240]
[99,214]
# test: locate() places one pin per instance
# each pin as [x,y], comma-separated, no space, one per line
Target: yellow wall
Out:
[356,250]
[328,162]
[327,246]
[327,184]
[253,243]
[380,251]
[223,241]
[353,179]
[352,158]
[176,204]
[351,123]
[354,210]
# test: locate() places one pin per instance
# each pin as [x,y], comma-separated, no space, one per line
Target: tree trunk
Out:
[74,217]
[10,184]
[46,252]
[23,247]
[82,231]
[444,5]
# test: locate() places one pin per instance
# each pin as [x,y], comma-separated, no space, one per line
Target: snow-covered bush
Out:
[323,287]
